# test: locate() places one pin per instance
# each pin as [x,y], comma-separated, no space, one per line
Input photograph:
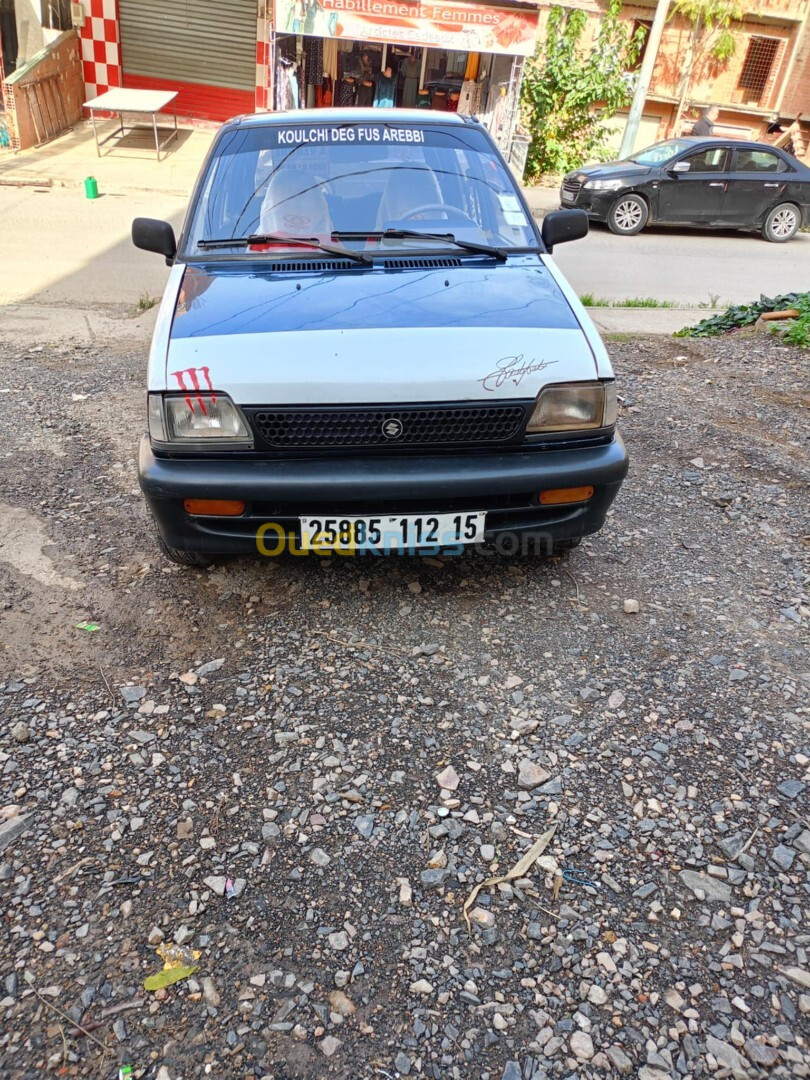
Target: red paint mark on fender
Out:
[195,386]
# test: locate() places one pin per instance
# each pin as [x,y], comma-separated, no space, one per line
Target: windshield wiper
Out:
[414,234]
[291,241]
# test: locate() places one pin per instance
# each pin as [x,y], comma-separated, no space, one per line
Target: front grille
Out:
[571,185]
[469,424]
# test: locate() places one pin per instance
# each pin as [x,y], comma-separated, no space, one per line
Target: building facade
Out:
[226,57]
[762,92]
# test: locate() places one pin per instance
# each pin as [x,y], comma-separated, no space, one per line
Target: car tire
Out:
[628,215]
[184,558]
[782,223]
[561,546]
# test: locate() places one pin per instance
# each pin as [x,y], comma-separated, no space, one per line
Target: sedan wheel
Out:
[781,224]
[628,215]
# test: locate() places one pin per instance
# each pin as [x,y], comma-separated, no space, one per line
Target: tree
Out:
[710,40]
[569,91]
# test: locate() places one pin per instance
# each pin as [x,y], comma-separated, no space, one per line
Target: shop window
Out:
[757,66]
[56,15]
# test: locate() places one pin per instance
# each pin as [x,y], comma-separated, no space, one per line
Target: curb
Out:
[26,181]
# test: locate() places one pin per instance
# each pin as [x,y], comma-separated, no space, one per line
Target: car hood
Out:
[612,170]
[440,330]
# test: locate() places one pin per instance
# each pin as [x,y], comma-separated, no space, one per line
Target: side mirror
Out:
[153,235]
[681,166]
[561,226]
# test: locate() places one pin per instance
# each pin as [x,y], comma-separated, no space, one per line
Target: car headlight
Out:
[195,418]
[604,185]
[574,407]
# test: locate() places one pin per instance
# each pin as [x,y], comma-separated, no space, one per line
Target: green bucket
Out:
[91,187]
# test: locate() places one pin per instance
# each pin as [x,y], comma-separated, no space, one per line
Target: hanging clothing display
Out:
[409,71]
[385,93]
[286,85]
[313,53]
[346,91]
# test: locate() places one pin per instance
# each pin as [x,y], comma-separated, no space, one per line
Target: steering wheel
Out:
[451,212]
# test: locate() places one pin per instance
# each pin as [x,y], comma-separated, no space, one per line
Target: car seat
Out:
[406,190]
[295,205]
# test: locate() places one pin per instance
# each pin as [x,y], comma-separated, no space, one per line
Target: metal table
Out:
[137,102]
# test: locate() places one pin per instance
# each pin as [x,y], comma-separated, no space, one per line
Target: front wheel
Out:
[184,558]
[628,215]
[782,223]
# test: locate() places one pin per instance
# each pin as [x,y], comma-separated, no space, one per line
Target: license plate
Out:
[391,533]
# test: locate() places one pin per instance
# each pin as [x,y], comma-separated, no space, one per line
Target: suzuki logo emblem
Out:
[392,428]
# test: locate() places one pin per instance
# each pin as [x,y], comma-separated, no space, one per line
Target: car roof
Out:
[317,117]
[725,140]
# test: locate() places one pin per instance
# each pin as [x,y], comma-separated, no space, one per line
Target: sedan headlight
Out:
[196,418]
[574,407]
[604,185]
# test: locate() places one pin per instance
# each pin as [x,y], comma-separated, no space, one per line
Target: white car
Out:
[364,346]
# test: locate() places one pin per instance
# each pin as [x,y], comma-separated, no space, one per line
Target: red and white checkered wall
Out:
[101,53]
[101,50]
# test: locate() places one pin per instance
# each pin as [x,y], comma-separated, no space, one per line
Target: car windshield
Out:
[343,183]
[660,152]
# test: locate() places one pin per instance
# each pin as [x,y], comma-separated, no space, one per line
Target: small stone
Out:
[791,789]
[631,607]
[433,879]
[597,996]
[421,986]
[487,852]
[183,935]
[338,941]
[727,1057]
[210,992]
[20,732]
[329,1045]
[13,827]
[783,856]
[364,825]
[711,888]
[448,779]
[405,892]
[131,694]
[619,1060]
[216,884]
[341,1003]
[530,774]
[798,975]
[582,1045]
[483,918]
[760,1053]
[402,1063]
[319,857]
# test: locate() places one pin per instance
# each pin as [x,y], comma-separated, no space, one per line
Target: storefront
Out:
[458,57]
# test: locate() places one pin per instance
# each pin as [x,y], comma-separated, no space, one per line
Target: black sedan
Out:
[711,183]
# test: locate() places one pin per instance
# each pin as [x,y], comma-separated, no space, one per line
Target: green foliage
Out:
[569,91]
[797,332]
[711,25]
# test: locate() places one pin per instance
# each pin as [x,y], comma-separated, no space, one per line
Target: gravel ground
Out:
[297,771]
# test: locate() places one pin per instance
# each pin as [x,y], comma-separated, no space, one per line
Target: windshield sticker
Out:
[512,212]
[349,133]
[513,369]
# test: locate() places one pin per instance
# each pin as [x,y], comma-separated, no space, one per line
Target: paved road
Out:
[67,250]
[685,266]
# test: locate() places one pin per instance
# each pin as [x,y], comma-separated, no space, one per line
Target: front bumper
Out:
[596,204]
[506,485]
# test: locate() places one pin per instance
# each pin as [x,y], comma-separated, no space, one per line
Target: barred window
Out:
[56,15]
[758,64]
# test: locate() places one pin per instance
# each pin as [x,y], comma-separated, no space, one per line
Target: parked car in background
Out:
[364,346]
[710,183]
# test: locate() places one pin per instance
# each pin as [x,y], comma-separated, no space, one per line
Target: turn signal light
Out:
[214,507]
[565,495]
